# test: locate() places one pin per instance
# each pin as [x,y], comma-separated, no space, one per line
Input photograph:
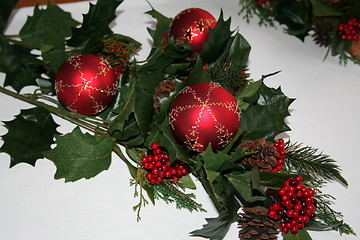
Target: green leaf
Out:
[162,28]
[162,57]
[321,9]
[296,15]
[95,23]
[339,46]
[239,51]
[168,141]
[21,67]
[216,228]
[264,118]
[213,161]
[218,41]
[30,133]
[134,100]
[275,180]
[6,8]
[187,182]
[242,184]
[80,155]
[48,26]
[47,30]
[301,235]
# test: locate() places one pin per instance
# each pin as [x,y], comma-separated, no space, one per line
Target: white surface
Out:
[34,206]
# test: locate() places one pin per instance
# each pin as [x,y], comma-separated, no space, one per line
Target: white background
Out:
[325,115]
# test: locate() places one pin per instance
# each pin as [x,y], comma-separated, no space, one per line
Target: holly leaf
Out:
[242,184]
[95,23]
[296,15]
[264,118]
[162,28]
[48,26]
[21,67]
[218,41]
[301,235]
[47,30]
[216,228]
[6,8]
[30,133]
[80,155]
[168,141]
[239,51]
[135,100]
[275,180]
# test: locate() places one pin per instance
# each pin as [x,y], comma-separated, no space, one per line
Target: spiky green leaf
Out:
[30,133]
[21,67]
[95,24]
[216,228]
[264,118]
[80,155]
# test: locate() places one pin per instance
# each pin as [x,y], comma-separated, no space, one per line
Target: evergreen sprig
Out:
[232,77]
[328,217]
[309,160]
[172,192]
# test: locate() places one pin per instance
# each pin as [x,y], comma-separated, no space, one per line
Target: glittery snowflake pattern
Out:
[204,113]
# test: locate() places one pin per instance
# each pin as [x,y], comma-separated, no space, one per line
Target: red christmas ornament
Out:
[204,113]
[85,84]
[192,26]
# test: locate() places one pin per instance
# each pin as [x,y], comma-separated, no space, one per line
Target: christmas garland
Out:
[333,24]
[188,111]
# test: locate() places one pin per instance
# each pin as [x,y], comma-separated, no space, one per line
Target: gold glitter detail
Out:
[192,134]
[103,69]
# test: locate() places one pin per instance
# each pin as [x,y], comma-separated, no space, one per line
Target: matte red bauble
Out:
[85,84]
[204,113]
[192,26]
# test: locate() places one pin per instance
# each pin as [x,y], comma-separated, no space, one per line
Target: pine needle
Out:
[310,161]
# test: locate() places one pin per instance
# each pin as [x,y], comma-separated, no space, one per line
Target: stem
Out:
[21,43]
[209,190]
[132,169]
[72,117]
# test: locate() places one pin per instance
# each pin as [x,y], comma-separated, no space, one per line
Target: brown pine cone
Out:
[264,156]
[163,90]
[323,28]
[255,224]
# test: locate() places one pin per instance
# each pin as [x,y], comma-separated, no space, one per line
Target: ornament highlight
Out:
[85,84]
[192,26]
[204,113]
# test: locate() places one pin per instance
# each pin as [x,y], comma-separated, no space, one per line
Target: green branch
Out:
[86,122]
[307,160]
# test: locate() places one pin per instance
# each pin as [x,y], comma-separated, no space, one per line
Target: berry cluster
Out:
[280,148]
[294,205]
[158,166]
[350,30]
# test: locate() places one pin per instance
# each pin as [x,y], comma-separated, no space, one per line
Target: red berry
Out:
[157,151]
[272,213]
[149,176]
[294,229]
[154,145]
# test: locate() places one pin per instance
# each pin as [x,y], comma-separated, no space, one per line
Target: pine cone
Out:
[163,90]
[255,224]
[265,154]
[323,28]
